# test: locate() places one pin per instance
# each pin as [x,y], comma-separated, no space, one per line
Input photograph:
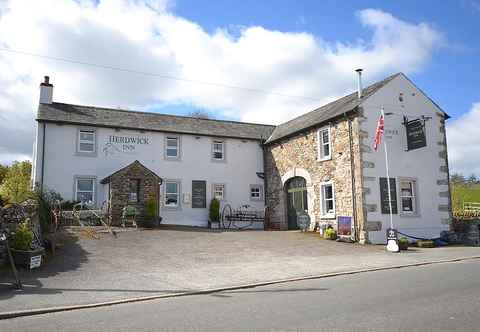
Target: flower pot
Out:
[23,257]
[403,245]
[214,224]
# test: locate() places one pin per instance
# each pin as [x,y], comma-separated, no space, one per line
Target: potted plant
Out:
[22,246]
[403,243]
[330,234]
[150,218]
[214,213]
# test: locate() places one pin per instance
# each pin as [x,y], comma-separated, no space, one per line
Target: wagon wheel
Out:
[226,216]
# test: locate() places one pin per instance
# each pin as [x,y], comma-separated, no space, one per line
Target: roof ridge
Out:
[163,114]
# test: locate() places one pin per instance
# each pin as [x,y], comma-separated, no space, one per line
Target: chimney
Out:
[360,87]
[46,91]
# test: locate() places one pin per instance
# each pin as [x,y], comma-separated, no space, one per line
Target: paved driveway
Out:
[169,260]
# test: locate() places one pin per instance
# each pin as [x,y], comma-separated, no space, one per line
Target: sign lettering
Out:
[416,138]
[199,194]
[384,196]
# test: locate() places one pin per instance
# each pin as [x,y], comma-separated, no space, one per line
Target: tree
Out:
[15,187]
[472,179]
[3,172]
[457,178]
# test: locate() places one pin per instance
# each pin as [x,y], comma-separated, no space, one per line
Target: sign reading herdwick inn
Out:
[125,144]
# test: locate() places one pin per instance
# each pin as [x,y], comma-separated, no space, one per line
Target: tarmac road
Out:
[441,297]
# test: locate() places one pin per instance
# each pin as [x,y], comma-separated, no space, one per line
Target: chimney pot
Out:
[46,91]
[360,87]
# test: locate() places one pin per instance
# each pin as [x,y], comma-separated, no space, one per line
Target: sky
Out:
[255,61]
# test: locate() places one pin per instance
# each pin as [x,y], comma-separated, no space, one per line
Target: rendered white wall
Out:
[422,164]
[244,158]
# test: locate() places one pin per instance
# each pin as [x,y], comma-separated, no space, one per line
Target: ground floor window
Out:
[172,193]
[327,194]
[85,190]
[408,196]
[134,191]
[219,191]
[256,192]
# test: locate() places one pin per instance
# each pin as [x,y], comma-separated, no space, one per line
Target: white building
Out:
[320,163]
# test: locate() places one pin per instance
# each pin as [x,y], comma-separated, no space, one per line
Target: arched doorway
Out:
[297,201]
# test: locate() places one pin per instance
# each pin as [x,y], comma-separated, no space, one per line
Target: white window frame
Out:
[260,192]
[218,141]
[215,191]
[327,214]
[80,141]
[93,191]
[321,144]
[414,197]
[178,193]
[167,137]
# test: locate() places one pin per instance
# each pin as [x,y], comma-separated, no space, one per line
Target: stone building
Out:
[323,163]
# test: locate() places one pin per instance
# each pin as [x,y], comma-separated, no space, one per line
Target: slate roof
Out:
[135,163]
[116,118]
[326,112]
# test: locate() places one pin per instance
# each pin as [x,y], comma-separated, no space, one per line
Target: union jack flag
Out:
[378,132]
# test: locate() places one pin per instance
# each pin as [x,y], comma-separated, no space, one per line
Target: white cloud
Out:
[464,142]
[148,36]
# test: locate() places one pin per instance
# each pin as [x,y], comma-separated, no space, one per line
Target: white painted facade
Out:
[425,165]
[238,172]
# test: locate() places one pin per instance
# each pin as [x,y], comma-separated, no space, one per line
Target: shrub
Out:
[23,237]
[2,202]
[330,234]
[151,209]
[214,212]
[46,202]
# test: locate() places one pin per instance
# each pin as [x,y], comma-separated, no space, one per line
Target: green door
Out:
[296,199]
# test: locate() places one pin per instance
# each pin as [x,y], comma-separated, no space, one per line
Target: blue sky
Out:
[291,48]
[451,77]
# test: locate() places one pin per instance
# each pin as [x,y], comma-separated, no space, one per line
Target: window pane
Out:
[89,147]
[85,196]
[86,136]
[328,190]
[326,150]
[171,199]
[325,136]
[329,205]
[407,204]
[172,152]
[85,185]
[171,187]
[172,142]
[218,155]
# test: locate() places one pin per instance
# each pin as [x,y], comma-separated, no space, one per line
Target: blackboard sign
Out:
[415,134]
[384,196]
[344,225]
[199,194]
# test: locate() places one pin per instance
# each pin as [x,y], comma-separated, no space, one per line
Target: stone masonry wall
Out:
[297,156]
[120,186]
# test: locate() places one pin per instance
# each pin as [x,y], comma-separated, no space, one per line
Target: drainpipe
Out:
[352,173]
[265,188]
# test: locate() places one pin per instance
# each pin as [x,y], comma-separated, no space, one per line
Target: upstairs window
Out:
[324,144]
[408,196]
[86,141]
[218,152]
[172,147]
[327,200]
[85,190]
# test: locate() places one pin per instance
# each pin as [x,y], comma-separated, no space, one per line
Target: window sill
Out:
[173,158]
[172,208]
[327,216]
[324,159]
[218,160]
[86,154]
[409,215]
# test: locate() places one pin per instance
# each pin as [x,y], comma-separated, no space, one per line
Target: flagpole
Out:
[386,168]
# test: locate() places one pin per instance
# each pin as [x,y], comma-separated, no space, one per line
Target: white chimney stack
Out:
[46,91]
[360,87]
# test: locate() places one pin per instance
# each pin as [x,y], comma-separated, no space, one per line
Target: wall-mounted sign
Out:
[384,196]
[124,144]
[199,194]
[344,225]
[416,138]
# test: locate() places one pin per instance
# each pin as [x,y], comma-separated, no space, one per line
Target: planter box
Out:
[403,245]
[214,225]
[24,257]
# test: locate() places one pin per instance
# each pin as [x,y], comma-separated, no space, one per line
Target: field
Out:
[463,193]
